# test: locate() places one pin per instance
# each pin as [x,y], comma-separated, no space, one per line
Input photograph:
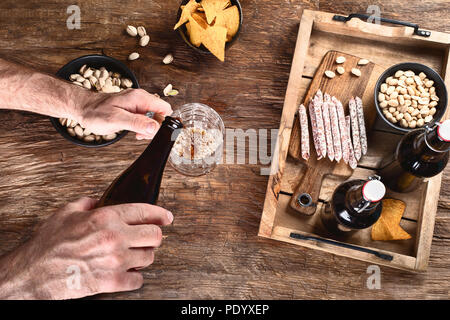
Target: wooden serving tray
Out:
[384,46]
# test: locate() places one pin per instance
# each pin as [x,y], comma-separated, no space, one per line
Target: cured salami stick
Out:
[319,96]
[335,132]
[345,138]
[327,126]
[312,117]
[355,128]
[317,102]
[362,125]
[353,163]
[303,118]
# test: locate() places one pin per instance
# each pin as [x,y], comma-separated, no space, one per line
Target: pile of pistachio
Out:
[408,99]
[100,80]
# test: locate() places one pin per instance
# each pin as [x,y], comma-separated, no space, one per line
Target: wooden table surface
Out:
[212,250]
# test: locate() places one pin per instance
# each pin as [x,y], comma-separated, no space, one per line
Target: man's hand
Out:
[109,113]
[24,89]
[81,251]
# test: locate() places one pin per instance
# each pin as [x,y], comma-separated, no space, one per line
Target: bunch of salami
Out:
[334,134]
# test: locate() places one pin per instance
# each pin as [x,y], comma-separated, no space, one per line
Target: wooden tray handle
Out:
[306,196]
[376,28]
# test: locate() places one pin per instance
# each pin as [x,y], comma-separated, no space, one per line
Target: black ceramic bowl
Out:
[183,31]
[439,84]
[94,61]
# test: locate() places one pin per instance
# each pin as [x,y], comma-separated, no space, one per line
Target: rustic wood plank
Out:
[375,51]
[379,32]
[211,250]
[288,218]
[399,261]
[431,197]
[290,107]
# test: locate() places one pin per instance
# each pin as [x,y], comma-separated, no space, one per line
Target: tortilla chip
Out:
[229,18]
[214,40]
[188,30]
[388,225]
[186,12]
[213,8]
[195,31]
[201,19]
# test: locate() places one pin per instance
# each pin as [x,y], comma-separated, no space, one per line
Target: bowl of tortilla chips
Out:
[210,25]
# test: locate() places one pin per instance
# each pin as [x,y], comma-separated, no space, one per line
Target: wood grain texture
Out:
[290,107]
[212,250]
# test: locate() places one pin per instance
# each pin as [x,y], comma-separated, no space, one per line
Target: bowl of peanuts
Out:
[98,73]
[410,96]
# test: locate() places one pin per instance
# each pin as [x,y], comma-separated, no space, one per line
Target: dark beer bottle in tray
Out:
[421,154]
[355,205]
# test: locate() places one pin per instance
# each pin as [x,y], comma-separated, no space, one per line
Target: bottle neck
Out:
[355,200]
[164,138]
[141,181]
[434,142]
[428,145]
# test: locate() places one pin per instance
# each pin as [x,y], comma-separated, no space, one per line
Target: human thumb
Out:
[139,123]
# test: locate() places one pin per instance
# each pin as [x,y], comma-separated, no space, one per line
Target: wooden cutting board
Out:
[343,87]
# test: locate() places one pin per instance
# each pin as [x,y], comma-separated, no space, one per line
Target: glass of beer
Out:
[199,146]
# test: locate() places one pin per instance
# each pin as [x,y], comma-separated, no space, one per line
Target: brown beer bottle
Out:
[421,154]
[355,205]
[140,183]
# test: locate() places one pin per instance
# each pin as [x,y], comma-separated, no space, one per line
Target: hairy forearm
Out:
[28,90]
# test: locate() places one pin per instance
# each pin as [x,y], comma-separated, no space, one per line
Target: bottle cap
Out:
[373,190]
[443,130]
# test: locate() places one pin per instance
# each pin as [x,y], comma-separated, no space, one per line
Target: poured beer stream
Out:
[140,183]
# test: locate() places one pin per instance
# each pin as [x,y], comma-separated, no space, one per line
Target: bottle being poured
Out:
[421,154]
[140,183]
[354,205]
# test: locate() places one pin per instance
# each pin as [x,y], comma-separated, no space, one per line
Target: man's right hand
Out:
[81,251]
[109,113]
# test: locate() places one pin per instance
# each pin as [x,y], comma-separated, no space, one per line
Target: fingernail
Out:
[151,128]
[170,216]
